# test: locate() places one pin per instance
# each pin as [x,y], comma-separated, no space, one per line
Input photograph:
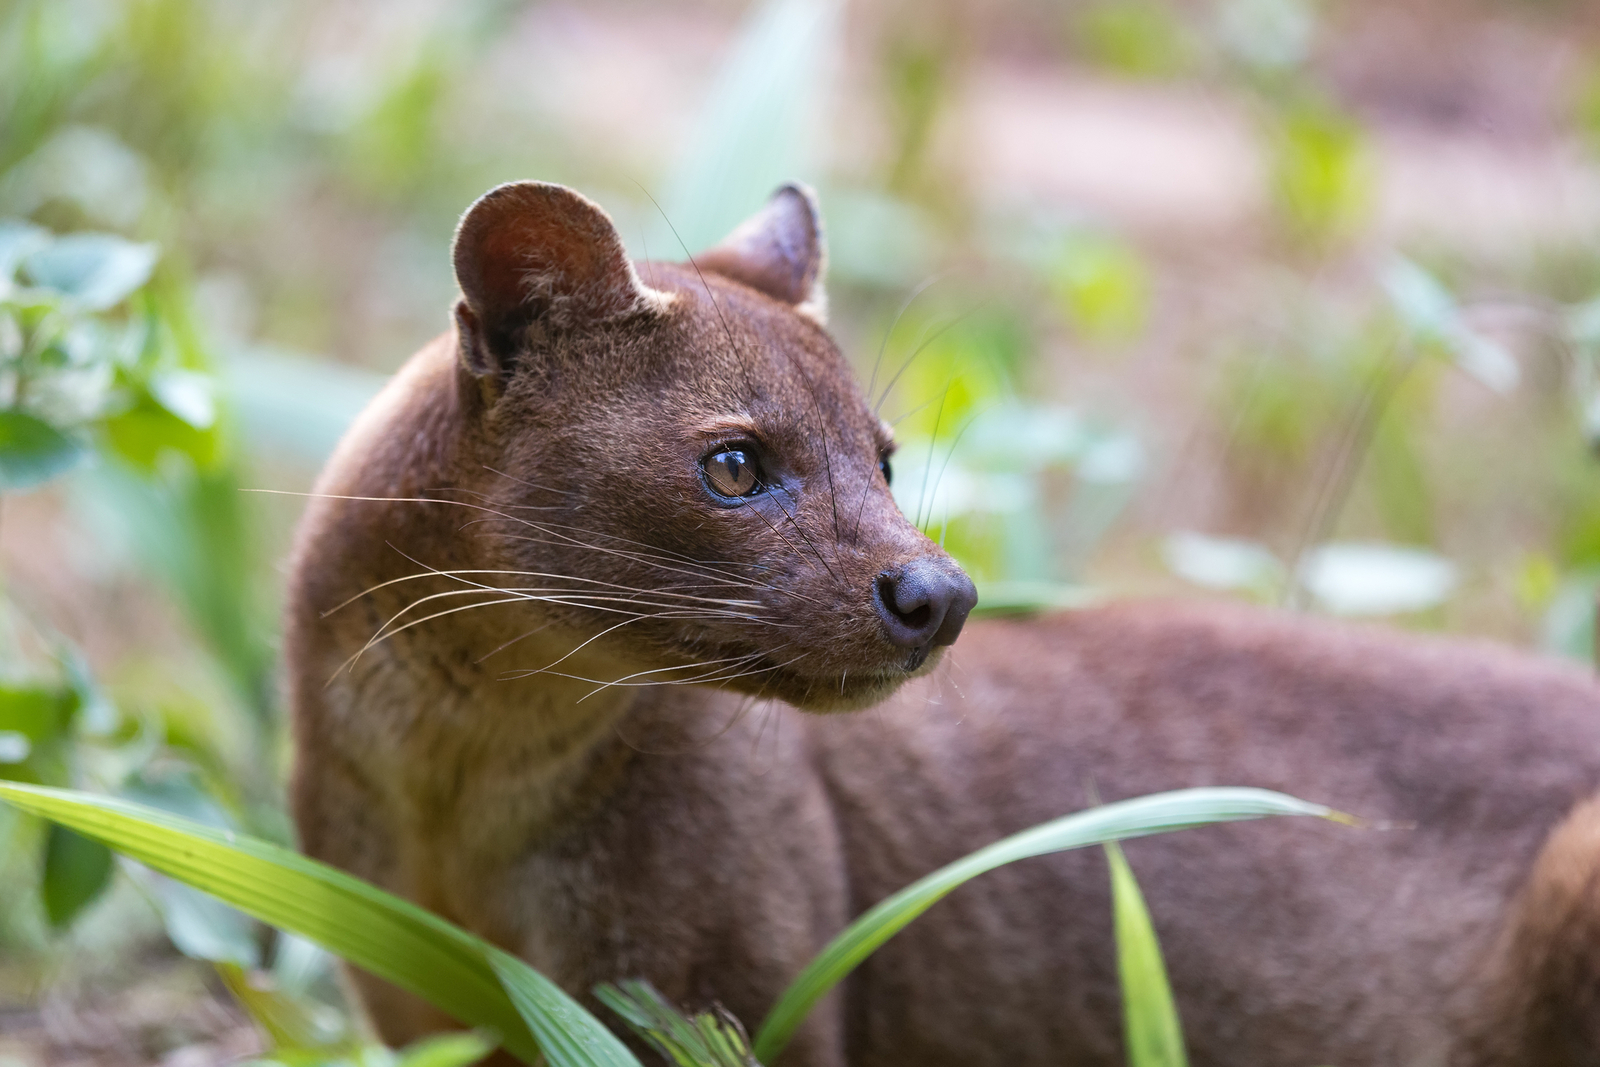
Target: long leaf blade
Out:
[1155,814]
[378,932]
[566,1032]
[1151,1031]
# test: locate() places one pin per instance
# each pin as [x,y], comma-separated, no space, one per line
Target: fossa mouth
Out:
[838,691]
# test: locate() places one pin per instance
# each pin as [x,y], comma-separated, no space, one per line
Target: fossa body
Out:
[575,581]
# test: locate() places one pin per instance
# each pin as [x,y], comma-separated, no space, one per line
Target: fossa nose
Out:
[923,604]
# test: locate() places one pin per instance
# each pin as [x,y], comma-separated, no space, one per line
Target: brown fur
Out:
[711,838]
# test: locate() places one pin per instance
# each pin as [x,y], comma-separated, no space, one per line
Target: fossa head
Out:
[683,456]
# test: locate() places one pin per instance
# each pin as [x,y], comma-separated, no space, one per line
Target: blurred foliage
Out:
[1268,39]
[105,375]
[758,127]
[1011,489]
[1140,38]
[1586,105]
[918,67]
[96,364]
[1103,286]
[1321,171]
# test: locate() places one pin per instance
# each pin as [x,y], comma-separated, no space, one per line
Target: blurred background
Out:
[1278,300]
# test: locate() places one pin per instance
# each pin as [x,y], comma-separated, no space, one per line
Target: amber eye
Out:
[732,472]
[888,471]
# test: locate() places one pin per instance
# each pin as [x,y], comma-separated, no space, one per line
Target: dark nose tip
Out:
[925,602]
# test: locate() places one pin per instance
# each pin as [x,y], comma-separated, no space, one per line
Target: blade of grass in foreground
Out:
[709,1039]
[464,976]
[1152,1034]
[1155,814]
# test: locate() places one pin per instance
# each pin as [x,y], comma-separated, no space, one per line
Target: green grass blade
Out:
[566,1032]
[710,1039]
[1155,814]
[446,1050]
[399,942]
[1151,1031]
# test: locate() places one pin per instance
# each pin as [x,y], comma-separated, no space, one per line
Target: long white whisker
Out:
[568,594]
[690,681]
[381,636]
[431,572]
[628,679]
[568,598]
[712,578]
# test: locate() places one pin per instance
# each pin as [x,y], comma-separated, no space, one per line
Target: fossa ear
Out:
[531,256]
[779,251]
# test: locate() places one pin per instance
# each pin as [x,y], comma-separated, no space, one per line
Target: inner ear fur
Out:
[780,251]
[534,253]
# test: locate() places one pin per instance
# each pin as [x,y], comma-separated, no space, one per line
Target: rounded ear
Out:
[779,251]
[533,253]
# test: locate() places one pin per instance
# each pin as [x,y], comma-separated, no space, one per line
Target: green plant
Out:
[1103,287]
[483,986]
[708,1039]
[1321,171]
[1152,1033]
[88,365]
[103,378]
[1158,813]
[1139,38]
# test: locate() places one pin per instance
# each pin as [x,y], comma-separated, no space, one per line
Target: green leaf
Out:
[148,429]
[187,394]
[1103,286]
[32,451]
[710,1039]
[76,871]
[96,270]
[203,928]
[1134,37]
[1155,814]
[38,718]
[1431,315]
[1568,626]
[287,1022]
[297,964]
[1150,1026]
[566,1032]
[440,1050]
[446,1050]
[391,938]
[1425,306]
[39,713]
[1321,171]
[18,240]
